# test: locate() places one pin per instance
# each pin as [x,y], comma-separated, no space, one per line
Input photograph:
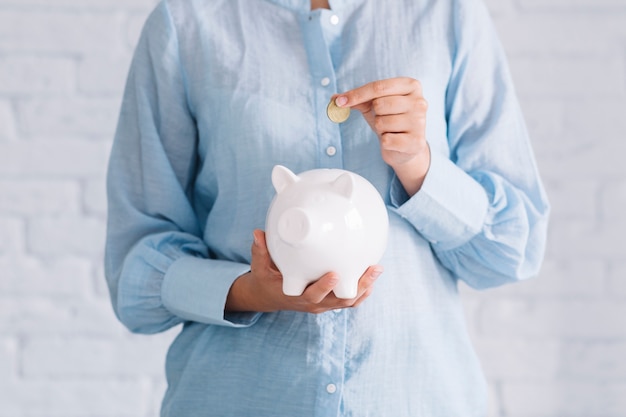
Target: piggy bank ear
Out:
[344,185]
[282,177]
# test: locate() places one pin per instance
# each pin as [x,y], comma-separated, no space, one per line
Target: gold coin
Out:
[337,114]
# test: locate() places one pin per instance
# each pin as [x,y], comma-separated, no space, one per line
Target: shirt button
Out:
[331,151]
[334,19]
[331,388]
[325,81]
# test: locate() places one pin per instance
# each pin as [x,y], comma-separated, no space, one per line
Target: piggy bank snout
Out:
[294,226]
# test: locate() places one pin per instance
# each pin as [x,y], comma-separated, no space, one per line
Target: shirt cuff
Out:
[195,289]
[449,209]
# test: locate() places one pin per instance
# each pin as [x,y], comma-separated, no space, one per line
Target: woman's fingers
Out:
[321,289]
[400,86]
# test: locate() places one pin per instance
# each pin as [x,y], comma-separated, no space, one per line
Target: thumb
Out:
[259,241]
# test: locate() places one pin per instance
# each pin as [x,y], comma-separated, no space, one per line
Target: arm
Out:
[158,268]
[482,206]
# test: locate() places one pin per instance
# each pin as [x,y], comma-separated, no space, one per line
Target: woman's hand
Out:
[395,109]
[261,289]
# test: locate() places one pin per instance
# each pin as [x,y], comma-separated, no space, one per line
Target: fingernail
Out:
[341,101]
[376,273]
[256,239]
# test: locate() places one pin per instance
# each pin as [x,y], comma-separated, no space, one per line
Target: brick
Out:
[577,199]
[8,125]
[569,239]
[12,236]
[564,398]
[493,404]
[8,359]
[519,359]
[30,276]
[37,75]
[571,278]
[588,122]
[63,236]
[71,32]
[594,361]
[74,398]
[573,127]
[101,288]
[47,317]
[497,8]
[54,159]
[95,357]
[545,120]
[87,117]
[94,196]
[157,393]
[616,285]
[568,77]
[104,73]
[613,201]
[133,29]
[568,5]
[601,161]
[557,318]
[590,35]
[31,197]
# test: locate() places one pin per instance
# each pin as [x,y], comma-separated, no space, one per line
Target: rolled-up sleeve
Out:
[482,206]
[158,268]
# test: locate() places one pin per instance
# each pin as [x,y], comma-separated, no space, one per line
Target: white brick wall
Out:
[62,353]
[554,346]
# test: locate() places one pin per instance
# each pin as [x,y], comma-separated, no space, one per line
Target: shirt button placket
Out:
[324,30]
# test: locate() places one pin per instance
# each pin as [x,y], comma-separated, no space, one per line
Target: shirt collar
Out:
[304,6]
[295,5]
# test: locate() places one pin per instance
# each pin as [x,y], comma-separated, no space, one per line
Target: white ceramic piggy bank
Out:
[324,220]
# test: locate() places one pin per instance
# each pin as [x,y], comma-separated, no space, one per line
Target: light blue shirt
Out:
[219,92]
